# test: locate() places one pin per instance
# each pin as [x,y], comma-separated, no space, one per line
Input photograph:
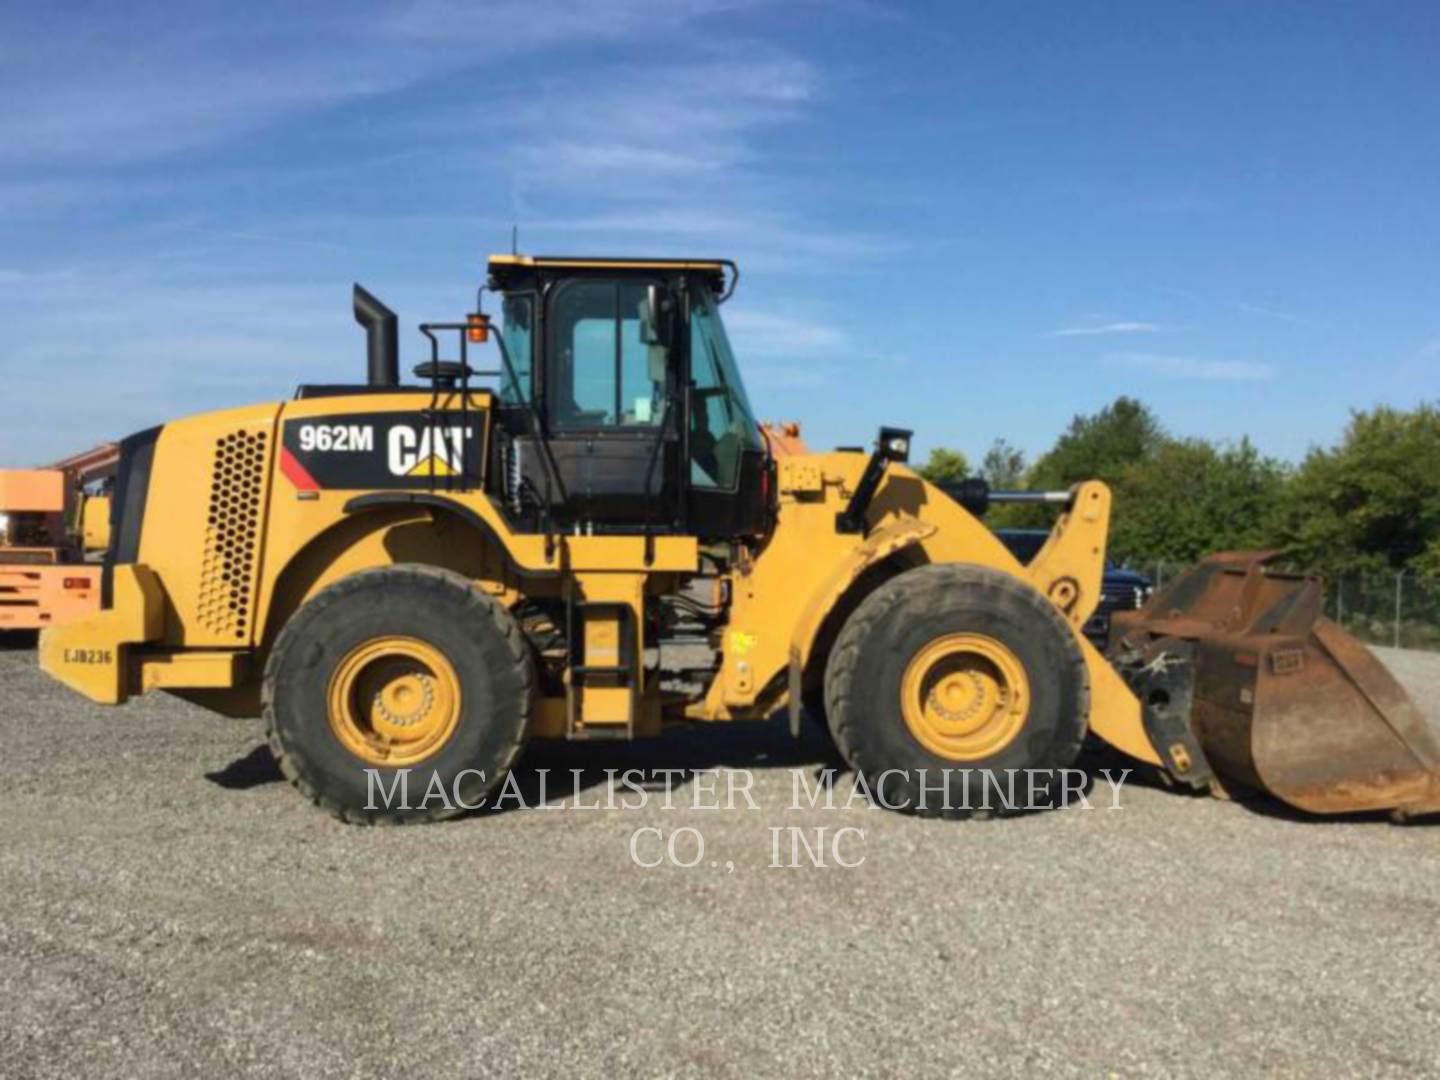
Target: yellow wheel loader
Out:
[594,539]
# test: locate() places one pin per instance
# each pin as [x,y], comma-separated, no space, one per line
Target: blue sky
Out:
[975,219]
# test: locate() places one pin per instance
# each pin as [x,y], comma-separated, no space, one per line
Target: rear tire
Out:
[398,668]
[993,677]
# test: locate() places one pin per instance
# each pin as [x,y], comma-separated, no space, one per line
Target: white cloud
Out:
[137,84]
[628,132]
[520,24]
[1268,312]
[756,235]
[223,276]
[610,157]
[148,349]
[670,154]
[1189,367]
[768,333]
[1247,307]
[1108,328]
[130,105]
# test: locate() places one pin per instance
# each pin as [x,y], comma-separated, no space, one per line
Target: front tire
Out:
[402,669]
[949,675]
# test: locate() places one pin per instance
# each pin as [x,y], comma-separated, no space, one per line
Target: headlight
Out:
[894,444]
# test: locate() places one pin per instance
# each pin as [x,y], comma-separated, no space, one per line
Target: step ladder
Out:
[603,679]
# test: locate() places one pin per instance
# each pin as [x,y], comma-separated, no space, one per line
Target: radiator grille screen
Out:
[231,534]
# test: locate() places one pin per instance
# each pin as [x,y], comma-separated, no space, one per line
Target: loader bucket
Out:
[1244,684]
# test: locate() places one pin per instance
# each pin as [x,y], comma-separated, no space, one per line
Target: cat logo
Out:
[380,451]
[427,451]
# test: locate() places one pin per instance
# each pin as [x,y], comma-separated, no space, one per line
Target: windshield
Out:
[722,424]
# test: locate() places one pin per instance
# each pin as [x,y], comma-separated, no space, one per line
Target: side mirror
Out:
[654,318]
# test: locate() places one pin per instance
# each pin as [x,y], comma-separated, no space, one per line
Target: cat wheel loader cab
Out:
[627,413]
[591,538]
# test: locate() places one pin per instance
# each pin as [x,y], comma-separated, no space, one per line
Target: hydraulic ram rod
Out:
[975,495]
[1062,497]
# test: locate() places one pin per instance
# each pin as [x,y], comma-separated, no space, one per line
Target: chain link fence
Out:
[1400,610]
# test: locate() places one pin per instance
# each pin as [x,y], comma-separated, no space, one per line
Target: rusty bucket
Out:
[1246,685]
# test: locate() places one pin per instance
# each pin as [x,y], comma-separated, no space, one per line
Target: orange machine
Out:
[50,519]
[783,438]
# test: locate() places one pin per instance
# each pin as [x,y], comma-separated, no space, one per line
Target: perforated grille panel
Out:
[232,534]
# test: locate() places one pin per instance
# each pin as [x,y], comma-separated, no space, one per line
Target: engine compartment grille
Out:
[232,534]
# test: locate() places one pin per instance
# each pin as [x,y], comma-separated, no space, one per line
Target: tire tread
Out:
[925,589]
[292,635]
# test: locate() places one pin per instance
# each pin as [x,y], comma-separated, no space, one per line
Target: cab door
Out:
[609,404]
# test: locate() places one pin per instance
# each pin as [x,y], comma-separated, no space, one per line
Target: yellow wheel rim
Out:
[965,696]
[394,701]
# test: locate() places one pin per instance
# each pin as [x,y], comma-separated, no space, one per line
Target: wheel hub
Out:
[965,696]
[394,701]
[406,700]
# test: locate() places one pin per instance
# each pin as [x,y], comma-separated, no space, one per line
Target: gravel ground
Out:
[172,909]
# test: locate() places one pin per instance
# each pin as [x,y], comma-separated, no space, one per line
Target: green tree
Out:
[1369,504]
[1175,500]
[1102,446]
[1003,466]
[1372,503]
[1189,498]
[945,466]
[1096,447]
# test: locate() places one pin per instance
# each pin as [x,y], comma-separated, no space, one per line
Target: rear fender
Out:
[382,535]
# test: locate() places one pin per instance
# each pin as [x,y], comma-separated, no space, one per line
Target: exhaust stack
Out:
[382,339]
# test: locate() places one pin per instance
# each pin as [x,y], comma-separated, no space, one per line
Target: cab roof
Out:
[504,268]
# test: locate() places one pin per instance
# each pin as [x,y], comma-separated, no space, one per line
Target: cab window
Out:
[722,425]
[603,371]
[516,325]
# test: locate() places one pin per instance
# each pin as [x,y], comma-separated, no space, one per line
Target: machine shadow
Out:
[254,769]
[690,750]
[560,768]
[697,748]
[546,767]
